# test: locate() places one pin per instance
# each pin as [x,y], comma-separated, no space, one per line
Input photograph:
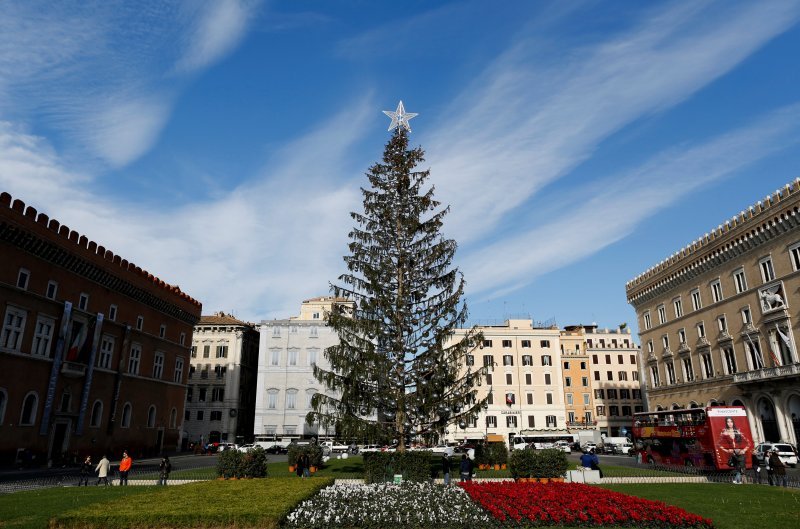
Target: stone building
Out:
[220,398]
[94,351]
[718,319]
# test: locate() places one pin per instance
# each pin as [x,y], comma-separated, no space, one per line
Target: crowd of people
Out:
[103,470]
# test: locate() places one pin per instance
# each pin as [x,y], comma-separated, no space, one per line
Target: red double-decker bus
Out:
[699,437]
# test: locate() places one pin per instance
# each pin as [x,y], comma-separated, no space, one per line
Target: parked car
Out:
[563,446]
[246,448]
[370,448]
[444,448]
[785,452]
[226,446]
[590,446]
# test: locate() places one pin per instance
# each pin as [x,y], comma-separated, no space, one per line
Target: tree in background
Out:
[398,371]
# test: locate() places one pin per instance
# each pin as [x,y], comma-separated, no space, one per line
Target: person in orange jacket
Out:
[124,467]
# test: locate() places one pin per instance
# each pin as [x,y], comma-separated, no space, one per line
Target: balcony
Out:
[770,373]
[581,424]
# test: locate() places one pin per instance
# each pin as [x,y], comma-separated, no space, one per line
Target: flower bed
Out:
[385,505]
[575,504]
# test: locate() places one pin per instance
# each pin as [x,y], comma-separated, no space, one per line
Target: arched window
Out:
[3,401]
[97,414]
[151,417]
[29,407]
[127,411]
[173,418]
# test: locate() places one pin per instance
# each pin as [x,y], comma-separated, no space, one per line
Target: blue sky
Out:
[221,145]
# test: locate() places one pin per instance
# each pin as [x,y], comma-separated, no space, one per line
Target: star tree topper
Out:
[400,117]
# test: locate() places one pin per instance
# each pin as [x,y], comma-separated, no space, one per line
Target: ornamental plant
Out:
[549,463]
[521,463]
[382,466]
[235,464]
[313,450]
[378,506]
[576,504]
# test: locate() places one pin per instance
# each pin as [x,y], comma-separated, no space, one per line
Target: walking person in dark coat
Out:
[758,468]
[87,469]
[778,469]
[299,469]
[163,470]
[465,468]
[446,469]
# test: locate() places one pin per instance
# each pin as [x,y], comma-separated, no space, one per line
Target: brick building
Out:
[94,351]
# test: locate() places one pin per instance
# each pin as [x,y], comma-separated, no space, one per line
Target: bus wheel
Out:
[688,463]
[651,461]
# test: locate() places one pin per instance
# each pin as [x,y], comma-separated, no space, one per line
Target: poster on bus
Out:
[730,431]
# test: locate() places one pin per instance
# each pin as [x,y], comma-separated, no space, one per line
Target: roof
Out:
[220,318]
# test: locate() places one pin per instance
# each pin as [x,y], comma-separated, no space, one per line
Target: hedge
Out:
[527,463]
[236,464]
[383,466]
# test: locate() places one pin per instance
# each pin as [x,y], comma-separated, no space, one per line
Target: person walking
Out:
[446,468]
[124,468]
[163,470]
[758,468]
[778,469]
[465,468]
[86,471]
[102,470]
[306,466]
[299,470]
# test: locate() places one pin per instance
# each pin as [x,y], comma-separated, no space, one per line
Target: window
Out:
[488,360]
[206,351]
[647,322]
[681,336]
[275,357]
[655,379]
[222,351]
[623,375]
[489,378]
[151,417]
[276,332]
[746,316]
[550,420]
[490,398]
[527,360]
[526,344]
[162,331]
[595,360]
[52,289]
[637,393]
[127,411]
[722,323]
[158,365]
[529,398]
[194,351]
[609,375]
[568,381]
[635,375]
[613,411]
[292,357]
[216,415]
[547,379]
[670,373]
[701,330]
[217,394]
[220,371]
[3,404]
[173,418]
[569,399]
[83,301]
[177,375]
[625,394]
[291,399]
[487,343]
[139,323]
[601,411]
[189,393]
[697,304]
[182,338]
[97,415]
[312,357]
[43,336]
[585,382]
[688,370]
[678,306]
[586,399]
[134,359]
[662,314]
[272,399]
[549,398]
[508,360]
[740,280]
[794,256]
[716,291]
[200,415]
[730,360]
[22,278]
[201,397]
[611,393]
[187,415]
[665,341]
[531,421]
[708,366]
[547,360]
[544,343]
[315,316]
[29,409]
[13,327]
[313,332]
[626,411]
[470,360]
[633,359]
[510,399]
[566,365]
[506,344]
[754,352]
[528,379]
[511,421]
[597,375]
[508,379]
[491,421]
[767,271]
[608,359]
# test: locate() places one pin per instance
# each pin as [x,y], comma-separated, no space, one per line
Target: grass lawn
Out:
[730,506]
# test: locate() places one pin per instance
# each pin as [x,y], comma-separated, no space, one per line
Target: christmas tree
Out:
[398,372]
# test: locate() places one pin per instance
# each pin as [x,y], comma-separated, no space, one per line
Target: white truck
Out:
[617,445]
[335,447]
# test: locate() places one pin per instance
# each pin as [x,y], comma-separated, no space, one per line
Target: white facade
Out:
[288,350]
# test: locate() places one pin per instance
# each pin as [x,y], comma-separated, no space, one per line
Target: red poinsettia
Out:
[576,504]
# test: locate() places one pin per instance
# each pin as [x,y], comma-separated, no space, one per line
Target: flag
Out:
[775,359]
[758,360]
[80,345]
[509,398]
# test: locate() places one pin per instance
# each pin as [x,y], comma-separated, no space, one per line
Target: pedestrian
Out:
[446,468]
[124,468]
[586,460]
[758,467]
[299,470]
[465,468]
[306,466]
[163,470]
[596,464]
[778,469]
[86,471]
[102,470]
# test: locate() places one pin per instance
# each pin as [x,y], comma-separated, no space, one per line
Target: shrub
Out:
[549,463]
[497,453]
[235,464]
[481,455]
[229,464]
[382,466]
[522,463]
[313,450]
